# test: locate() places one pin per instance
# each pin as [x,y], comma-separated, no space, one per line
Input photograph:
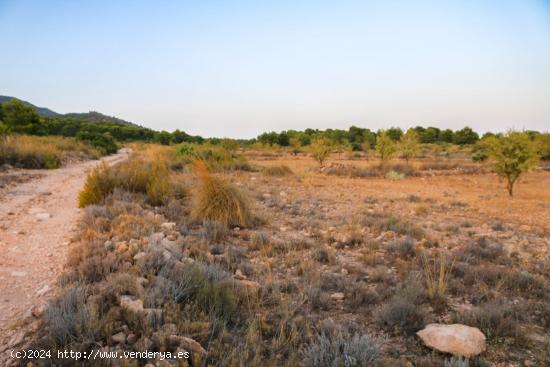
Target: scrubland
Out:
[264,258]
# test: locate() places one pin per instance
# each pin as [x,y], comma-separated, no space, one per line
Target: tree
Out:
[512,154]
[4,131]
[409,145]
[465,136]
[394,133]
[542,143]
[384,146]
[320,149]
[19,116]
[295,144]
[283,139]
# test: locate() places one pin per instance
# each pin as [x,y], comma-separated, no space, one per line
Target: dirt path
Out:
[37,222]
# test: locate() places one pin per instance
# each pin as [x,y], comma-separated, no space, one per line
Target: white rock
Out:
[456,339]
[43,216]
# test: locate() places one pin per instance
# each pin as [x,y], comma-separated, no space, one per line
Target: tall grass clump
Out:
[217,200]
[436,276]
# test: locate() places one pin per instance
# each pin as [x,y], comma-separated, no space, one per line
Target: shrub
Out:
[392,175]
[135,176]
[320,150]
[340,351]
[404,247]
[103,142]
[495,319]
[66,318]
[99,184]
[217,200]
[457,362]
[42,152]
[402,315]
[278,171]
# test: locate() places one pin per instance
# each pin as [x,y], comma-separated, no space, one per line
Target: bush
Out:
[135,176]
[495,319]
[215,157]
[278,171]
[42,152]
[103,142]
[402,315]
[217,200]
[339,351]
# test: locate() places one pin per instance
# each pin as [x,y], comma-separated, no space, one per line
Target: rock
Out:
[131,303]
[188,344]
[456,339]
[38,311]
[132,338]
[109,245]
[168,226]
[121,247]
[43,216]
[118,338]
[143,343]
[18,273]
[338,296]
[43,290]
[139,256]
[239,275]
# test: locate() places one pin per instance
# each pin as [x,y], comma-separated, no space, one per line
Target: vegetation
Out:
[385,146]
[320,150]
[218,201]
[512,154]
[26,151]
[409,145]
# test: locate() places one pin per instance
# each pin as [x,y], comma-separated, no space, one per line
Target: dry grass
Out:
[217,200]
[43,152]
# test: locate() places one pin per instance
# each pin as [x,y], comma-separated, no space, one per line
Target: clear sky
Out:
[238,68]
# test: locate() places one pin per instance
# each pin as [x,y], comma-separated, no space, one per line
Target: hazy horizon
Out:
[239,69]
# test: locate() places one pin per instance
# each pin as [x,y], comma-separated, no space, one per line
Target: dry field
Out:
[324,263]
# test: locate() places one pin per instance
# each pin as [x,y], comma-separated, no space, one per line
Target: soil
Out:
[38,221]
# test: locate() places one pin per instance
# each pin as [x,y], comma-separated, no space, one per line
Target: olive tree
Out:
[512,154]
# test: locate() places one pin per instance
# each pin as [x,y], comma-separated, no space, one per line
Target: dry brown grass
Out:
[217,200]
[43,152]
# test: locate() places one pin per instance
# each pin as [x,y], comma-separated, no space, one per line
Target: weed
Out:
[277,171]
[436,276]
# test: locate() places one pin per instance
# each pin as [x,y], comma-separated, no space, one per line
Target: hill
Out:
[42,111]
[87,116]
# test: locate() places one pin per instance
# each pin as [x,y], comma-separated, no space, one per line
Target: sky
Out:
[239,68]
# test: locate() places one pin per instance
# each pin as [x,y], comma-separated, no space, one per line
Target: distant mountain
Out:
[88,116]
[42,111]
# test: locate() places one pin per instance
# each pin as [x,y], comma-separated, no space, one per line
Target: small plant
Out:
[395,176]
[337,350]
[436,276]
[98,185]
[402,315]
[217,200]
[320,150]
[457,362]
[277,171]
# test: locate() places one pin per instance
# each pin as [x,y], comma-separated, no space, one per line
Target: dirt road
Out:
[38,220]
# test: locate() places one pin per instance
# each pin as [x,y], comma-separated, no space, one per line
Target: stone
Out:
[131,303]
[456,339]
[118,338]
[168,226]
[43,290]
[188,344]
[132,338]
[43,216]
[338,296]
[139,256]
